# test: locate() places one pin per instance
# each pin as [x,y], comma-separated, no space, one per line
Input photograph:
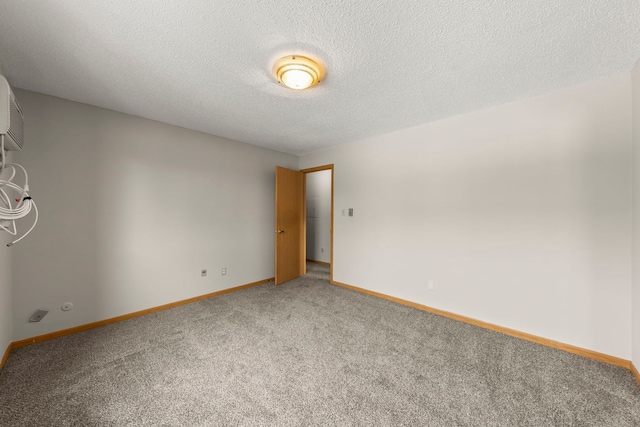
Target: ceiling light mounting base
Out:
[298,72]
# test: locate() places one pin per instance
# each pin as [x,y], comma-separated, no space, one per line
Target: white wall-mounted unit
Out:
[11,118]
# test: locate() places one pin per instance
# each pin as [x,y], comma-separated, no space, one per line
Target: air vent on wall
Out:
[11,118]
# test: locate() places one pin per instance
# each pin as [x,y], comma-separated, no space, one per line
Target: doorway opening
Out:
[318,216]
[318,220]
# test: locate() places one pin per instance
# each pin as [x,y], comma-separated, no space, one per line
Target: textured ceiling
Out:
[391,64]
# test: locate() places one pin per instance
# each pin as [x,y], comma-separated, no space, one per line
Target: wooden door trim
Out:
[304,197]
[317,169]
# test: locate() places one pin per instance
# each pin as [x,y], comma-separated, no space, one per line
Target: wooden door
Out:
[290,260]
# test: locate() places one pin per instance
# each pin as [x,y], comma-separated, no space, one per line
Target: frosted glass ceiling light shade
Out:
[298,72]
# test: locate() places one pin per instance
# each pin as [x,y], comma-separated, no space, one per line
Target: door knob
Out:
[279,231]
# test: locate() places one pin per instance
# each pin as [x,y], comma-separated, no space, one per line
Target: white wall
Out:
[635,300]
[131,210]
[6,298]
[521,214]
[318,194]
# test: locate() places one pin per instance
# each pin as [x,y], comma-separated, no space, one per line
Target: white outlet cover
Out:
[66,306]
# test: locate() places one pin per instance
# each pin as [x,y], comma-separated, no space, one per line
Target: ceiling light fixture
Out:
[298,72]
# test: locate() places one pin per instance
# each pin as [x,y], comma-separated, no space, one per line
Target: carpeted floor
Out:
[307,353]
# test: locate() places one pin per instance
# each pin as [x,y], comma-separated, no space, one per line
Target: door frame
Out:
[304,213]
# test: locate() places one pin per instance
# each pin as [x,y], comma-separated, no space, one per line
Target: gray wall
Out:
[132,210]
[6,294]
[635,300]
[520,214]
[6,298]
[318,194]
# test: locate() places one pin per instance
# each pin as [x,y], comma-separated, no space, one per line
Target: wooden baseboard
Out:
[635,373]
[6,355]
[87,326]
[318,262]
[601,357]
[511,332]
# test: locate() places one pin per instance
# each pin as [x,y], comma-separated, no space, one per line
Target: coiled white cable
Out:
[24,203]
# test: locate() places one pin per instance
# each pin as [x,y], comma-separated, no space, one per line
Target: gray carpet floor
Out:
[307,353]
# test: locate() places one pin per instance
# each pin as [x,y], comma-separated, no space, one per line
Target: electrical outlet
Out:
[430,285]
[321,250]
[66,306]
[224,271]
[203,272]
